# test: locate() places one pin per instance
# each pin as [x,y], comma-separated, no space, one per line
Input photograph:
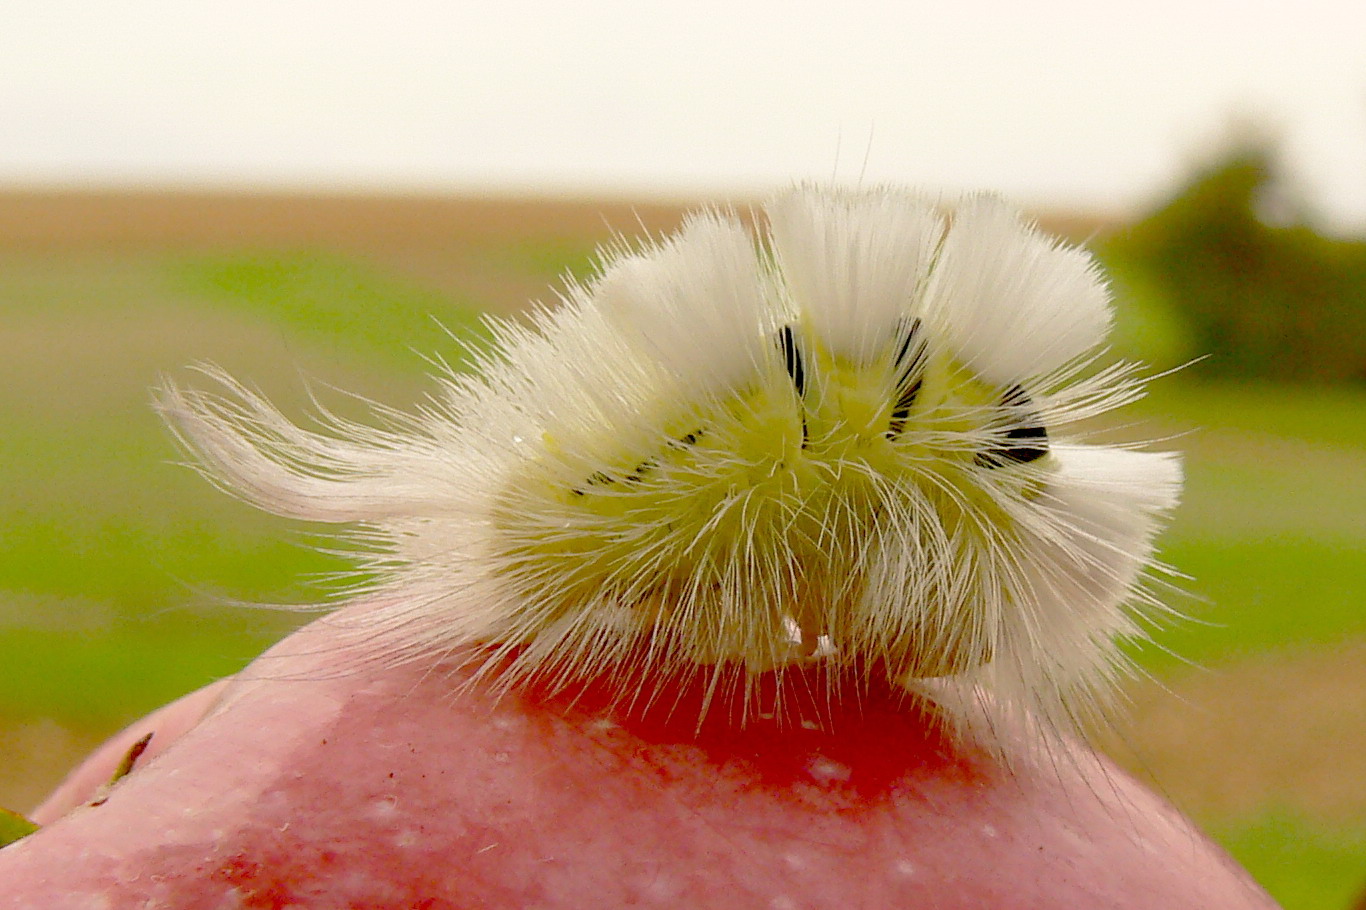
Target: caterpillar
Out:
[849,435]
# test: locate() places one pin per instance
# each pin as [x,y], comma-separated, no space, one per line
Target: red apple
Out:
[302,785]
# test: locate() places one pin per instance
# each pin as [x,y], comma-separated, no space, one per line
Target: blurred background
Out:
[314,194]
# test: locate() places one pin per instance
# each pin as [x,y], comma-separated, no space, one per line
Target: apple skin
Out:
[301,785]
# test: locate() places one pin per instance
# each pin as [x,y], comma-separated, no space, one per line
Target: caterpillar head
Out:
[845,440]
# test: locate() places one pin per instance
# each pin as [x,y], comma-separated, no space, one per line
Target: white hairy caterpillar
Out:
[843,441]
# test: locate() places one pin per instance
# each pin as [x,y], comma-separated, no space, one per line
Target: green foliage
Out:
[1147,328]
[1269,530]
[1305,865]
[1260,300]
[337,301]
[122,573]
[552,258]
[1329,418]
[1248,598]
[101,679]
[13,827]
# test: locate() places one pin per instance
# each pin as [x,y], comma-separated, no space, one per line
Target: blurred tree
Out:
[1268,300]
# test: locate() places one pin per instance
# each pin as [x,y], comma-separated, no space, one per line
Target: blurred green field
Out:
[123,573]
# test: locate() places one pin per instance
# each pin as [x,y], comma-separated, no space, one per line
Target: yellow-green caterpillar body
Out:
[845,439]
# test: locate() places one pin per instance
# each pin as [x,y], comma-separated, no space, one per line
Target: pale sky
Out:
[1088,103]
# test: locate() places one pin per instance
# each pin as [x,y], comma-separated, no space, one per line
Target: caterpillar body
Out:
[845,439]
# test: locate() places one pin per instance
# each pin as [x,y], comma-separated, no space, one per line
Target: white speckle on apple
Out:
[384,809]
[826,771]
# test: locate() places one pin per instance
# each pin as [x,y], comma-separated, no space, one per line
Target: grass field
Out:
[122,571]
